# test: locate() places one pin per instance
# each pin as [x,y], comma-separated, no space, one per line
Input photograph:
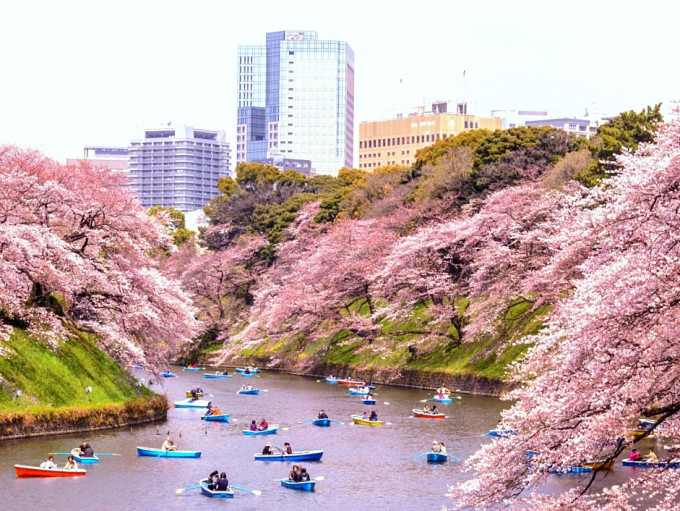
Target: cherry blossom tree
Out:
[73,235]
[610,352]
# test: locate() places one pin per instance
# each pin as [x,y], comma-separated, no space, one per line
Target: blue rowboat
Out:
[217,376]
[137,366]
[242,370]
[295,456]
[368,401]
[248,375]
[272,429]
[648,464]
[358,392]
[322,422]
[213,494]
[501,432]
[85,460]
[328,379]
[191,369]
[160,453]
[224,417]
[252,391]
[303,486]
[444,399]
[436,457]
[192,403]
[168,374]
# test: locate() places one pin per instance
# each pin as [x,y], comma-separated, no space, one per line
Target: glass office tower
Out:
[296,100]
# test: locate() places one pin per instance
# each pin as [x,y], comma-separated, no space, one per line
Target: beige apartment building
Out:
[395,141]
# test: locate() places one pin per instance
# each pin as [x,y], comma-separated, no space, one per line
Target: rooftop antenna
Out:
[461,107]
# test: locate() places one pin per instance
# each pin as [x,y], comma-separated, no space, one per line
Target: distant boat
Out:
[501,432]
[137,366]
[331,380]
[214,494]
[168,374]
[242,370]
[675,463]
[192,403]
[217,376]
[160,453]
[368,401]
[359,391]
[198,394]
[28,471]
[272,429]
[295,456]
[321,422]
[351,381]
[303,485]
[251,391]
[436,457]
[191,369]
[442,399]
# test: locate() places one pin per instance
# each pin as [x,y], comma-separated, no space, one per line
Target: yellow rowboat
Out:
[198,394]
[358,419]
[600,465]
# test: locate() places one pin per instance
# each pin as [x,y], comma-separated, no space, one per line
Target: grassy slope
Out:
[488,356]
[48,379]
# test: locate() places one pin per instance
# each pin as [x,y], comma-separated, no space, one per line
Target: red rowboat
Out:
[26,471]
[428,415]
[351,382]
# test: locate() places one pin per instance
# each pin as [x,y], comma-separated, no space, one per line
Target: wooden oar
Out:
[421,455]
[254,492]
[180,490]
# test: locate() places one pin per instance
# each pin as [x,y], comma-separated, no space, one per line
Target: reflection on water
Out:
[364,467]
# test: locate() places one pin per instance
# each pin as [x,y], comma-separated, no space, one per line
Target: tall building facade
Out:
[296,100]
[396,141]
[110,157]
[178,167]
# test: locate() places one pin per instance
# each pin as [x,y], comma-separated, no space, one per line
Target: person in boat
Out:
[322,415]
[374,416]
[433,409]
[365,416]
[222,483]
[294,474]
[216,411]
[169,445]
[304,476]
[436,447]
[442,448]
[212,478]
[426,408]
[194,393]
[263,425]
[287,449]
[49,462]
[247,370]
[268,449]
[71,464]
[85,450]
[652,457]
[634,455]
[209,411]
[218,373]
[253,425]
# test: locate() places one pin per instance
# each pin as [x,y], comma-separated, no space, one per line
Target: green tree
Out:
[629,130]
[177,223]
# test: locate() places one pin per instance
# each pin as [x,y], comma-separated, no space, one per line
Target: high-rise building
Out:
[115,158]
[396,141]
[296,100]
[178,167]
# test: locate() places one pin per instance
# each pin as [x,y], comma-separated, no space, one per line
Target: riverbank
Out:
[59,421]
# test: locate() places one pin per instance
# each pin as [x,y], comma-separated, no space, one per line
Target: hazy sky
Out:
[96,72]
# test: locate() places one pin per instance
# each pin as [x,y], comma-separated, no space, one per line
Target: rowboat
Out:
[168,374]
[223,417]
[191,369]
[442,399]
[198,394]
[272,429]
[214,494]
[350,382]
[242,370]
[192,403]
[600,465]
[358,419]
[322,422]
[137,366]
[368,401]
[436,457]
[428,415]
[501,432]
[295,456]
[303,486]
[675,463]
[328,379]
[566,470]
[251,391]
[85,460]
[217,376]
[359,391]
[160,453]
[28,471]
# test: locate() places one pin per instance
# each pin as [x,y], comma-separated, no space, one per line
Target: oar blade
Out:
[319,478]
